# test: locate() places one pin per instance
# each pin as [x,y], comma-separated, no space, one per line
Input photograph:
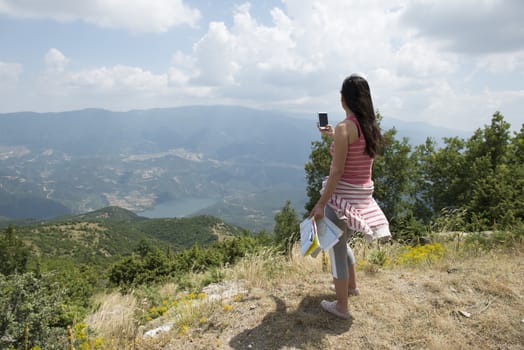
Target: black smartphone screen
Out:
[322,119]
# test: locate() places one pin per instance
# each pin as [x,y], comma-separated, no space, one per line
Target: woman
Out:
[347,193]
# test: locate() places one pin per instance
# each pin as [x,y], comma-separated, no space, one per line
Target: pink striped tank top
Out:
[357,169]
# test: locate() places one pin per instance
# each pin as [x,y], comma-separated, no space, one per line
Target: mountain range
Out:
[236,163]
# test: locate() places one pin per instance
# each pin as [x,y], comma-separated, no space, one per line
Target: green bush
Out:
[154,266]
[30,312]
[490,240]
[407,228]
[378,257]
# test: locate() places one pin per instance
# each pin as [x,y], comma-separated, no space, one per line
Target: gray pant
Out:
[341,255]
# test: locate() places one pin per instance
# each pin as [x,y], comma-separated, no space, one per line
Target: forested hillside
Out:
[107,234]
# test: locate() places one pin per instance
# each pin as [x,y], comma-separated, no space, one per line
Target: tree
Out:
[316,170]
[495,191]
[79,281]
[147,265]
[422,182]
[13,253]
[127,271]
[441,183]
[516,164]
[516,157]
[491,142]
[144,248]
[393,173]
[482,175]
[287,230]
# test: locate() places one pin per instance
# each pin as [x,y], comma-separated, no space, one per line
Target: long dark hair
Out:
[357,95]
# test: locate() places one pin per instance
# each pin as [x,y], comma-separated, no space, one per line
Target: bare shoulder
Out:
[350,129]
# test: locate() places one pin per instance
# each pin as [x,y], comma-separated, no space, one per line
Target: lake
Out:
[178,208]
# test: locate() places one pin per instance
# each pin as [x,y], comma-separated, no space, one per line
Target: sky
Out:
[446,62]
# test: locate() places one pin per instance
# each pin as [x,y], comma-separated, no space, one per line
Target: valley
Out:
[239,164]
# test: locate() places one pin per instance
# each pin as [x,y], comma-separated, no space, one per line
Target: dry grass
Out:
[115,317]
[269,269]
[275,304]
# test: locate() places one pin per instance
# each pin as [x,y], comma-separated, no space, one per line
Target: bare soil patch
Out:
[457,303]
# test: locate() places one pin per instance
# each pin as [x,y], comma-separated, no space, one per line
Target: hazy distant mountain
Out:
[418,132]
[215,130]
[244,163]
[219,132]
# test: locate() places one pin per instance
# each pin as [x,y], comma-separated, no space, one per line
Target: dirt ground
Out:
[473,303]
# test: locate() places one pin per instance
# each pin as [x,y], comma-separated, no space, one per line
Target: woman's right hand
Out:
[317,212]
[327,130]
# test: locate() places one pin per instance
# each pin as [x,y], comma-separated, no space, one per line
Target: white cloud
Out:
[470,26]
[119,78]
[502,63]
[298,59]
[9,74]
[182,69]
[136,15]
[250,61]
[467,111]
[118,87]
[214,55]
[105,81]
[417,58]
[301,56]
[55,60]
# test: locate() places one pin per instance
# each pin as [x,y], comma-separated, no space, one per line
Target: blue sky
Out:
[450,63]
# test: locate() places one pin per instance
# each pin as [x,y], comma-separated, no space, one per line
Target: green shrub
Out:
[31,310]
[378,257]
[407,228]
[155,267]
[493,239]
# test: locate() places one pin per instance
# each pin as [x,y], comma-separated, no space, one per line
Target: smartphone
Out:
[322,120]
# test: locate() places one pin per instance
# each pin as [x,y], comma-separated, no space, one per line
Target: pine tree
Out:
[287,230]
[13,253]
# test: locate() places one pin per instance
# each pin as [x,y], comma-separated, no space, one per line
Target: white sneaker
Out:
[331,307]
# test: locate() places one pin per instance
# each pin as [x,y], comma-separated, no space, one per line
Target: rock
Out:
[224,290]
[465,313]
[154,332]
